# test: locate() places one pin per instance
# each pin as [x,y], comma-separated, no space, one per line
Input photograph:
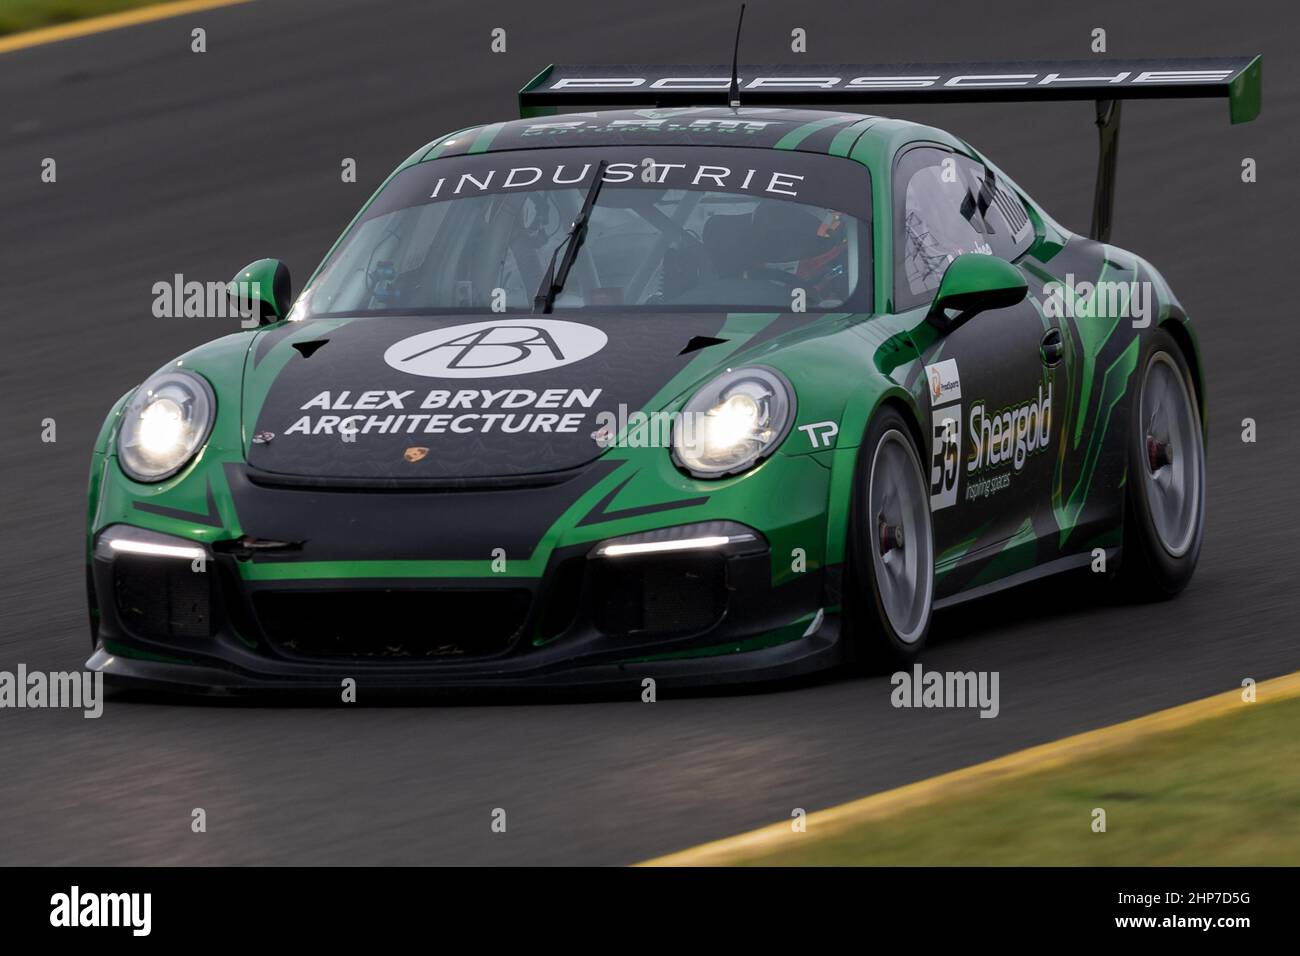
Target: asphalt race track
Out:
[175,162]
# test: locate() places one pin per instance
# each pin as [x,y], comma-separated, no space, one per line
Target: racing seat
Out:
[726,243]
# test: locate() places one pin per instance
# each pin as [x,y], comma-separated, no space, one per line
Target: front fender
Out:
[876,363]
[99,460]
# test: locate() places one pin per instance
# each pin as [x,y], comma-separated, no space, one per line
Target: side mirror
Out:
[264,286]
[975,283]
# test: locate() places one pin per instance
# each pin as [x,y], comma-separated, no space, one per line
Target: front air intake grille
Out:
[162,598]
[560,601]
[390,624]
[659,596]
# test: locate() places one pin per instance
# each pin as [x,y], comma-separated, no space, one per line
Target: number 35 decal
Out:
[946,458]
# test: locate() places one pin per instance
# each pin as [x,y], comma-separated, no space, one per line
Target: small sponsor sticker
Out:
[944,382]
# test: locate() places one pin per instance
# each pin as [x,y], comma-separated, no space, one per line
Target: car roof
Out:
[815,131]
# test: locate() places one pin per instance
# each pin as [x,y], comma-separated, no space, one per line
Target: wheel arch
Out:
[911,415]
[859,412]
[1180,330]
[862,647]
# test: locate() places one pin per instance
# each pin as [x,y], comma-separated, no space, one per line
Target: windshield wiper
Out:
[553,280]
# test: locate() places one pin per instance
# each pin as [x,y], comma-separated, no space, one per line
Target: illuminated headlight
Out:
[733,422]
[165,423]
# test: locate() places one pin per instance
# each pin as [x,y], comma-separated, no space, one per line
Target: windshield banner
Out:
[760,173]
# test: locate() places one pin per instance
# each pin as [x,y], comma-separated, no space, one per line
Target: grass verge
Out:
[18,15]
[1222,792]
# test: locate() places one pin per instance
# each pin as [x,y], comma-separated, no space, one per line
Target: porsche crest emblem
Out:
[415,453]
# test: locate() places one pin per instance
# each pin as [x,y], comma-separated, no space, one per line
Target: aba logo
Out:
[492,349]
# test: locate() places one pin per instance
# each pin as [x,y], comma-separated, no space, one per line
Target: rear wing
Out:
[1238,79]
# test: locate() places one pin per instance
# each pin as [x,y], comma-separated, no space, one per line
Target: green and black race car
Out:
[687,390]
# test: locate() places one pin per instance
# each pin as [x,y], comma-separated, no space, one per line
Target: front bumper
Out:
[206,619]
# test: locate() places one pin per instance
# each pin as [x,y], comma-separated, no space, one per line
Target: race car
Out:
[723,384]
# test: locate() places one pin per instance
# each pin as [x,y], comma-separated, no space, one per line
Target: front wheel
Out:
[1165,490]
[889,580]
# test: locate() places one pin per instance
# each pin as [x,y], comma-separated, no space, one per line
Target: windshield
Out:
[684,228]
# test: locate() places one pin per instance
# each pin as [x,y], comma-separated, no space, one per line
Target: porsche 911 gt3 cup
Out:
[681,390]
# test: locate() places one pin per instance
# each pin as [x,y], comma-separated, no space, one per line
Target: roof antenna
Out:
[733,93]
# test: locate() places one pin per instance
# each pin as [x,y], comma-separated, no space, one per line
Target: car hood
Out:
[460,396]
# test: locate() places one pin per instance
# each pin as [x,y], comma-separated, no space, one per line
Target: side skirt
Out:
[1024,577]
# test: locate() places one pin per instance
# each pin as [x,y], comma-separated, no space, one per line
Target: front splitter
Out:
[819,651]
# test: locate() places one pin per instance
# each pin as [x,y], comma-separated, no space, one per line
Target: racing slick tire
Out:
[1164,513]
[889,574]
